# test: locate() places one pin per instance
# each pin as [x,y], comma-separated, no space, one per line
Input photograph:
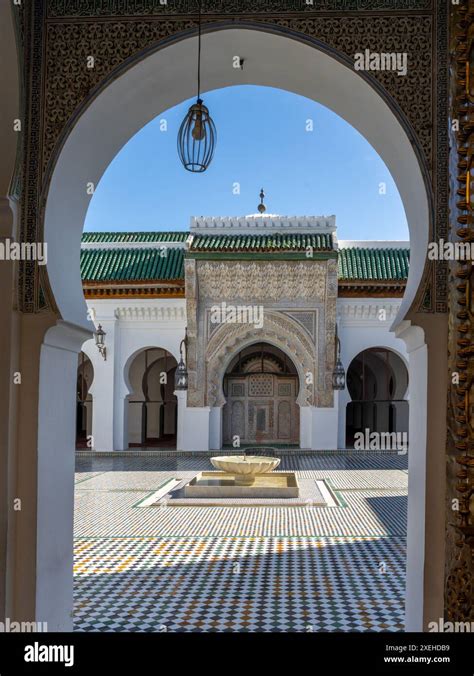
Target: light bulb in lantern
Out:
[198,132]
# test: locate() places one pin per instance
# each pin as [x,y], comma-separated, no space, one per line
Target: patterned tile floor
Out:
[242,569]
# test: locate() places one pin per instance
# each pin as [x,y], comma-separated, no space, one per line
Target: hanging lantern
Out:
[181,373]
[197,134]
[338,375]
[100,341]
[181,376]
[197,138]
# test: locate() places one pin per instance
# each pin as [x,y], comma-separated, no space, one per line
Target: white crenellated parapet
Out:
[152,313]
[264,223]
[367,311]
[374,244]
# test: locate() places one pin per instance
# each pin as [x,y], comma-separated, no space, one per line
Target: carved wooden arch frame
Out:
[212,25]
[279,331]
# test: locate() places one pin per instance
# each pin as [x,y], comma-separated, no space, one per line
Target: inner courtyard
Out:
[237,324]
[259,568]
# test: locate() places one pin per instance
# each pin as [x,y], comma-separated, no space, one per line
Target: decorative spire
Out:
[261,207]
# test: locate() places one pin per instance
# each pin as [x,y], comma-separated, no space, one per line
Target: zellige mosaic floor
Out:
[240,569]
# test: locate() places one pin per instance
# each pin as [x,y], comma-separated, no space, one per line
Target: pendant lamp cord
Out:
[199,52]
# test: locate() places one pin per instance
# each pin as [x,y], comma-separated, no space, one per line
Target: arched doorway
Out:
[152,405]
[85,376]
[261,387]
[377,380]
[139,91]
[301,65]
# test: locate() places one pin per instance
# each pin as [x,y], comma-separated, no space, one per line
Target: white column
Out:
[181,397]
[193,425]
[324,424]
[319,427]
[215,428]
[89,409]
[102,389]
[120,401]
[306,427]
[55,487]
[418,374]
[343,399]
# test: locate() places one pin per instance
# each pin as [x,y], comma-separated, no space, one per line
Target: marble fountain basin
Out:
[245,468]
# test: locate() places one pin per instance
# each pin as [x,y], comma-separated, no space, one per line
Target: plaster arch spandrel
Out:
[279,331]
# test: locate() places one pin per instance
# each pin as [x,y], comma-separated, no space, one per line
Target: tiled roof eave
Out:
[132,282]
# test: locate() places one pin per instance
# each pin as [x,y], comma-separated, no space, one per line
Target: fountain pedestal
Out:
[245,467]
[243,477]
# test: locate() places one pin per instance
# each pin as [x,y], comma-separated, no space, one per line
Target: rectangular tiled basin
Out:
[222,485]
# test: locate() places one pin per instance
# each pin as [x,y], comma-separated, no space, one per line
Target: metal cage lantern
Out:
[181,373]
[100,341]
[197,138]
[338,376]
[181,376]
[197,134]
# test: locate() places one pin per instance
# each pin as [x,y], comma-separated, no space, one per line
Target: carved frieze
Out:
[459,570]
[112,8]
[69,44]
[307,319]
[261,281]
[279,331]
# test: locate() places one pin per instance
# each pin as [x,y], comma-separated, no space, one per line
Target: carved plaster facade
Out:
[298,299]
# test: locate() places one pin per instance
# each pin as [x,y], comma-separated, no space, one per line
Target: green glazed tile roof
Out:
[148,263]
[98,265]
[274,242]
[127,237]
[366,264]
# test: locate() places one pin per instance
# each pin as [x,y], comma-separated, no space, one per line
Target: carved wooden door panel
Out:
[261,409]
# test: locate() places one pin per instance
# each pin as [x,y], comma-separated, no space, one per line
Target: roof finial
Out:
[261,207]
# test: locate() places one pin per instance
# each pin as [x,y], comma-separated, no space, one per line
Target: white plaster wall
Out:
[318,427]
[360,328]
[55,482]
[131,327]
[414,338]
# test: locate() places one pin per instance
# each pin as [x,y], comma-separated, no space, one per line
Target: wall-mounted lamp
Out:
[99,341]
[338,375]
[181,373]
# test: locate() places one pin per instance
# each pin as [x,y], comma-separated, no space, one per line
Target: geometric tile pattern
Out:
[240,584]
[367,513]
[247,569]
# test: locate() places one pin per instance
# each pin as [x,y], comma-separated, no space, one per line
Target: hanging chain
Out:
[199,52]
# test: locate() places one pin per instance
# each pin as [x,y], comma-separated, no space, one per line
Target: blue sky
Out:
[262,142]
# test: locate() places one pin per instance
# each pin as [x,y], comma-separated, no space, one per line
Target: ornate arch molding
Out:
[61,34]
[280,331]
